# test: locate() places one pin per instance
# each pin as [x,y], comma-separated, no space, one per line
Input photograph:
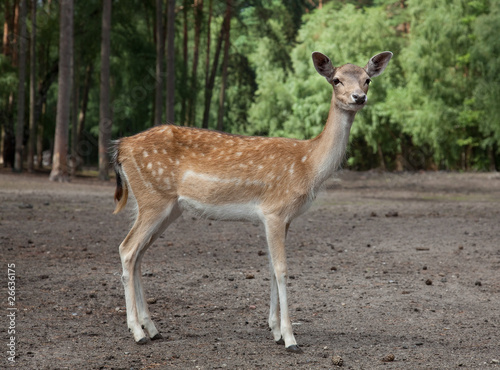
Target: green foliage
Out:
[434,107]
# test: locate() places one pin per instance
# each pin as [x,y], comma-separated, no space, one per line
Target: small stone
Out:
[252,307]
[337,361]
[333,268]
[88,311]
[478,283]
[389,358]
[250,276]
[428,282]
[261,253]
[495,361]
[391,214]
[151,300]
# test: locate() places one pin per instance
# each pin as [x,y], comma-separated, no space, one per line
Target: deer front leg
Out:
[276,232]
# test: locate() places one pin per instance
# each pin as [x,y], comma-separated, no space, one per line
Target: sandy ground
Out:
[401,267]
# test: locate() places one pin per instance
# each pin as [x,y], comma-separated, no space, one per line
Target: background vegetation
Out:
[435,107]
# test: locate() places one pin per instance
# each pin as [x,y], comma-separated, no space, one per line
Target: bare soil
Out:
[386,271]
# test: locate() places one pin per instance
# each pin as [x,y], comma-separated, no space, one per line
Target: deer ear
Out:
[323,65]
[377,63]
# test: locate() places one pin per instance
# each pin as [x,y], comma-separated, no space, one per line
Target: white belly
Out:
[229,212]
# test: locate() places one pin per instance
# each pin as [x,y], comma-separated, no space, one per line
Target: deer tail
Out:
[121,192]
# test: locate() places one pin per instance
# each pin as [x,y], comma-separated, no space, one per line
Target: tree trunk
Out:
[6,29]
[33,128]
[225,61]
[198,18]
[59,162]
[160,50]
[9,141]
[105,121]
[210,82]
[81,147]
[381,160]
[170,100]
[73,162]
[184,77]
[207,57]
[18,159]
[15,33]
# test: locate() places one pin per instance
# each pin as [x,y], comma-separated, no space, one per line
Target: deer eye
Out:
[367,82]
[336,81]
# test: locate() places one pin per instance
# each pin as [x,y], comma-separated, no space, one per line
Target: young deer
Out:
[169,169]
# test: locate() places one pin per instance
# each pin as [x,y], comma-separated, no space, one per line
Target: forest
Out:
[75,75]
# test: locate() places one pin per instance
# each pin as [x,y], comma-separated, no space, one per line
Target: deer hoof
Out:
[157,336]
[294,348]
[280,341]
[142,341]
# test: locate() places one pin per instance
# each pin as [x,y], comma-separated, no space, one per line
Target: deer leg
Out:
[131,251]
[276,232]
[143,314]
[274,313]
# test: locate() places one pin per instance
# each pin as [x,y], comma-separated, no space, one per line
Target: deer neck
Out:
[328,148]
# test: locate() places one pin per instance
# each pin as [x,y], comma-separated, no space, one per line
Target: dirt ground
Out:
[406,265]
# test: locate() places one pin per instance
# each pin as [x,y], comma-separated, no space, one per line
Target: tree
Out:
[160,50]
[225,61]
[170,109]
[59,162]
[198,19]
[18,161]
[209,86]
[105,119]
[33,79]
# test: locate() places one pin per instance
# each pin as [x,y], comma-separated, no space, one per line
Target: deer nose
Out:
[359,98]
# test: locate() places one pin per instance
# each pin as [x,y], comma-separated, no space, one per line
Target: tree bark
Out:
[105,120]
[225,62]
[170,100]
[6,28]
[18,159]
[160,50]
[184,76]
[73,162]
[81,148]
[60,159]
[33,127]
[198,19]
[211,79]
[207,57]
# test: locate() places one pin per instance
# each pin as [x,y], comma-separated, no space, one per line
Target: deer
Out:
[169,169]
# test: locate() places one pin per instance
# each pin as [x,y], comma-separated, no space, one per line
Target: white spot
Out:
[238,154]
[145,154]
[260,167]
[154,172]
[164,151]
[304,158]
[160,171]
[150,165]
[155,151]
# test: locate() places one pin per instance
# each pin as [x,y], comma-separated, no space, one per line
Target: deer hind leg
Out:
[147,228]
[282,329]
